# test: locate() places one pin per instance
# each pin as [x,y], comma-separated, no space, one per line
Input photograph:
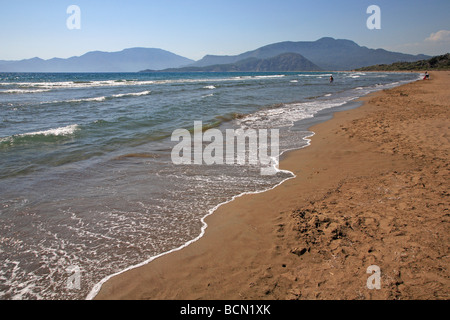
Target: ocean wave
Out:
[355,75]
[62,131]
[98,99]
[270,76]
[78,84]
[126,83]
[101,98]
[318,75]
[22,91]
[288,114]
[29,87]
[42,136]
[132,94]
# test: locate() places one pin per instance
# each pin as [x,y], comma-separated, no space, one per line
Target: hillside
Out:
[327,53]
[128,60]
[436,63]
[323,54]
[284,62]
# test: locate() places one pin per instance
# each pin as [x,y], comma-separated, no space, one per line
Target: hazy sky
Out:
[194,28]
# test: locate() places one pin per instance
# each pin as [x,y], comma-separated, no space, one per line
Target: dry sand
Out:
[372,189]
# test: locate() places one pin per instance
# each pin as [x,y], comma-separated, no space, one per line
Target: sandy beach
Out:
[371,189]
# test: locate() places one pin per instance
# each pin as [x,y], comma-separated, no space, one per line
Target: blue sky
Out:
[194,28]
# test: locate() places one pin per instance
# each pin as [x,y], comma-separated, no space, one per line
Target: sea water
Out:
[87,185]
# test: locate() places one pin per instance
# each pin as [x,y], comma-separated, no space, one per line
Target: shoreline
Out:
[266,236]
[98,286]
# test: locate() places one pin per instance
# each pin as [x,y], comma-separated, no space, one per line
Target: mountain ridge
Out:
[284,62]
[325,53]
[127,60]
[328,53]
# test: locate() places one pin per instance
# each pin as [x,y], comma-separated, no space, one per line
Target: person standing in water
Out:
[331,79]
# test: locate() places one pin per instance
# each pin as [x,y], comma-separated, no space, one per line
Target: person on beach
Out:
[331,79]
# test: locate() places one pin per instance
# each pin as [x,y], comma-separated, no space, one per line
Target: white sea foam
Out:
[288,114]
[62,131]
[270,76]
[209,87]
[102,98]
[97,287]
[132,94]
[125,83]
[80,84]
[274,76]
[318,75]
[98,99]
[355,75]
[22,91]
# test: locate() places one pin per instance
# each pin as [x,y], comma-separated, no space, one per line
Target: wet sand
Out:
[372,189]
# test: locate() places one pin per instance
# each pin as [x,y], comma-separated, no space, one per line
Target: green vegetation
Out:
[284,63]
[435,63]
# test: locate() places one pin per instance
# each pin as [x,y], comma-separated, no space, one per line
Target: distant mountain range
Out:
[128,60]
[327,53]
[323,54]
